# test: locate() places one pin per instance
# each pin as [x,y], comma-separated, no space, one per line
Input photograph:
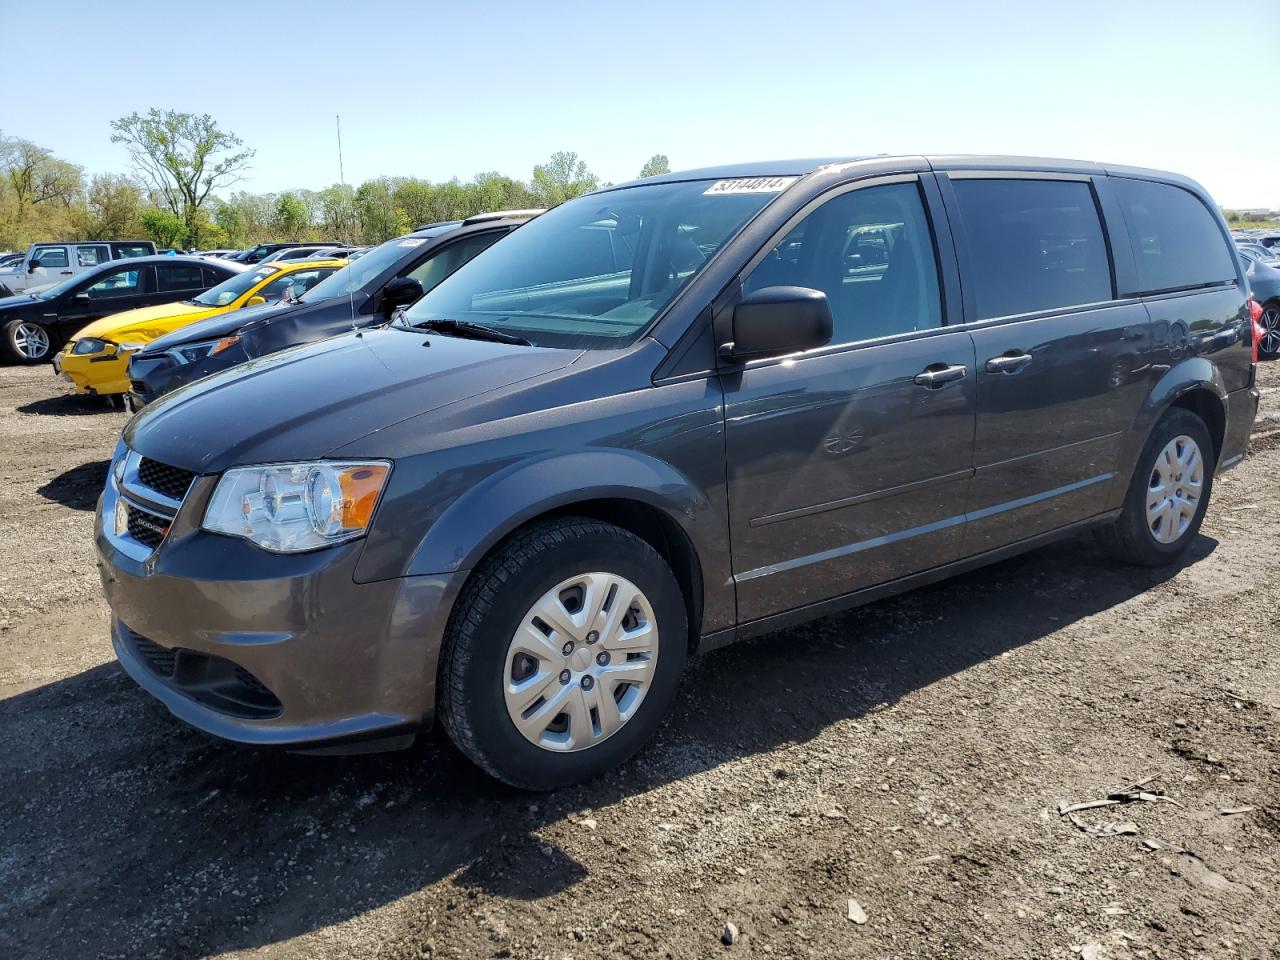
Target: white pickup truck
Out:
[48,263]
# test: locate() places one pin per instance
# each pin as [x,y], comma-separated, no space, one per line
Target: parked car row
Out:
[653,420]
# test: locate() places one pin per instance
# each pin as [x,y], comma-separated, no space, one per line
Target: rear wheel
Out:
[1168,495]
[563,654]
[1269,342]
[27,342]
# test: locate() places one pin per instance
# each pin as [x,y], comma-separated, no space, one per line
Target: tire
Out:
[27,342]
[1269,345]
[1157,538]
[484,683]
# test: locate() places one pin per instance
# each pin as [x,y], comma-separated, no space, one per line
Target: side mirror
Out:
[82,297]
[400,292]
[255,301]
[31,267]
[775,321]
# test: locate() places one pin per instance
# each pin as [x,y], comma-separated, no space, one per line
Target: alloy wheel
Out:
[1174,489]
[1270,342]
[581,662]
[30,340]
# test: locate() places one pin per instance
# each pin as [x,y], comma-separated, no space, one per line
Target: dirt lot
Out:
[911,756]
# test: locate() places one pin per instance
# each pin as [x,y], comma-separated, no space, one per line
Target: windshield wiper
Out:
[473,331]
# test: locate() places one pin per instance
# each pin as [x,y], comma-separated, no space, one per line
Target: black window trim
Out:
[724,309]
[951,202]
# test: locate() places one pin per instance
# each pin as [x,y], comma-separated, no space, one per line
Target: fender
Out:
[487,512]
[1183,377]
[470,526]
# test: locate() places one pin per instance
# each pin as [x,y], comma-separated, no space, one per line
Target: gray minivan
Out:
[664,416]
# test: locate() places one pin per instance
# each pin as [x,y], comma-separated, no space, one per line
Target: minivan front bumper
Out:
[276,650]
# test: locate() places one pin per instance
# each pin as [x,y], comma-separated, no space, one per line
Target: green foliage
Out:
[112,209]
[291,216]
[657,164]
[562,178]
[180,160]
[163,226]
[182,156]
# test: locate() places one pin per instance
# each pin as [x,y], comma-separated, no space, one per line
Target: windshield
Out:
[353,277]
[594,271]
[229,290]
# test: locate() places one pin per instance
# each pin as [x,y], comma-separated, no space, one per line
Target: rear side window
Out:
[1033,245]
[1176,241]
[91,256]
[123,250]
[179,278]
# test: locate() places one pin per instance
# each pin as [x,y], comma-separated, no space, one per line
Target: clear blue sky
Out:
[437,90]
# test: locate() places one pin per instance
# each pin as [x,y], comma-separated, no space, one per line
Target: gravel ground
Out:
[910,756]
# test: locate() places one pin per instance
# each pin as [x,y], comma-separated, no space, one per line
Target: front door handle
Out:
[1008,363]
[936,374]
[66,273]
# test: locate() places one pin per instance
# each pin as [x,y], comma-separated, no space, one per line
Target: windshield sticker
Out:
[750,185]
[412,243]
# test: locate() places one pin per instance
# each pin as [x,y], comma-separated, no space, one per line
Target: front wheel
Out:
[563,654]
[1269,342]
[27,342]
[1168,495]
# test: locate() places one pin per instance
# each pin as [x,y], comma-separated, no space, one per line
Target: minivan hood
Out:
[302,403]
[218,325]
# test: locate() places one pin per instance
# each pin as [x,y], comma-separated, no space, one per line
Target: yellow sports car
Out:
[96,360]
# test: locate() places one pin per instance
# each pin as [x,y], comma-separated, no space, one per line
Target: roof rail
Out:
[503,215]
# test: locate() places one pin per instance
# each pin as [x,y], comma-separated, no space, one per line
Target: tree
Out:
[562,178]
[338,211]
[163,226]
[183,157]
[657,164]
[36,176]
[111,213]
[290,217]
[380,219]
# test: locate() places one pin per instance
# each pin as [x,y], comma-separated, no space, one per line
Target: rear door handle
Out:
[1008,363]
[936,374]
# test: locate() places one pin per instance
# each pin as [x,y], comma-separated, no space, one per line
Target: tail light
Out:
[1255,323]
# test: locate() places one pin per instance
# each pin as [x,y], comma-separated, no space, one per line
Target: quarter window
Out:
[1176,241]
[871,252]
[1033,245]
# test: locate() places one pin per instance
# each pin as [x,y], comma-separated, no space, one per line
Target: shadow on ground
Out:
[70,405]
[127,833]
[77,488]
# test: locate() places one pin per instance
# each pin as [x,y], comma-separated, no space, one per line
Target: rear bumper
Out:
[273,650]
[1242,410]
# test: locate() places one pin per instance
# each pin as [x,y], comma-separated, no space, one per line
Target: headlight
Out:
[192,352]
[88,345]
[292,507]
